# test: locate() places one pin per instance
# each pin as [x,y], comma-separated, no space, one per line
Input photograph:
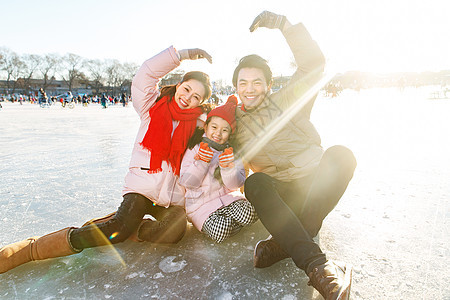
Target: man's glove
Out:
[204,153]
[268,19]
[226,159]
[194,54]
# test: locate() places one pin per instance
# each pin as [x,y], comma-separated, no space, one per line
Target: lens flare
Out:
[113,235]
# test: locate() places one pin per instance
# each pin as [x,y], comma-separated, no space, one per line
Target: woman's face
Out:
[218,130]
[189,94]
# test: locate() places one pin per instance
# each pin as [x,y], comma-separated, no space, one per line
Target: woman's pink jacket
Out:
[162,188]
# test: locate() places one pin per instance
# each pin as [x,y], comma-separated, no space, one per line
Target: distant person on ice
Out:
[168,119]
[295,183]
[104,101]
[42,96]
[213,175]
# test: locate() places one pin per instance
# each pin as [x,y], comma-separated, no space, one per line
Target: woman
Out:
[168,119]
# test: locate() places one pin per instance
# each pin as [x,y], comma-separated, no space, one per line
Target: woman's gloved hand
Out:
[194,54]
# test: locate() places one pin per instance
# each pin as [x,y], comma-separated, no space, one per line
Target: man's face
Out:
[252,87]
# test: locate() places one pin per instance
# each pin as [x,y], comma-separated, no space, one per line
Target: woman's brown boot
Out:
[55,244]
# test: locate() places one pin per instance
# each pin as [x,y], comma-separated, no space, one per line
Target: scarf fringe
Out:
[159,170]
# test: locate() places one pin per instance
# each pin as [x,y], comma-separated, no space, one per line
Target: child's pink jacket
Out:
[204,193]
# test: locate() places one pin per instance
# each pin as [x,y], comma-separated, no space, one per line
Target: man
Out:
[295,183]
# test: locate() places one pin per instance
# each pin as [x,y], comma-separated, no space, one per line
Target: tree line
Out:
[19,70]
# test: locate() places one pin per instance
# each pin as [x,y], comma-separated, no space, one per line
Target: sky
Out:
[373,36]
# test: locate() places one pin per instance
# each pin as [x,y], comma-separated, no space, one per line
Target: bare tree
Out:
[31,63]
[129,70]
[12,65]
[83,79]
[96,69]
[2,59]
[73,69]
[114,75]
[50,64]
[72,65]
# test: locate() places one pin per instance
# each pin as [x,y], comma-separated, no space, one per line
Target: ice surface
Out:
[167,265]
[62,167]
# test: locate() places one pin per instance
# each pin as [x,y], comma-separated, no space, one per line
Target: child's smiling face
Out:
[218,130]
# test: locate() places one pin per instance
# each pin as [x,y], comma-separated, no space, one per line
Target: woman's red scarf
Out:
[159,140]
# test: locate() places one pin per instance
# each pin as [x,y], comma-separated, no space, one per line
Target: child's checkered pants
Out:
[229,220]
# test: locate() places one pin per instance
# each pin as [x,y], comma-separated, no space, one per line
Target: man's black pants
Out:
[293,211]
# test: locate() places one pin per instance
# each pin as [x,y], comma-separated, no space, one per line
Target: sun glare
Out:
[111,246]
[386,36]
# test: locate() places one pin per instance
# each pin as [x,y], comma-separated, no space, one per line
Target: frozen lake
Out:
[60,167]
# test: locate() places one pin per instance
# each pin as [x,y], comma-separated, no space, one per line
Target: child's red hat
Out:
[226,112]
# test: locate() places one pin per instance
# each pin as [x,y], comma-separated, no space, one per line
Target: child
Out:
[212,177]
